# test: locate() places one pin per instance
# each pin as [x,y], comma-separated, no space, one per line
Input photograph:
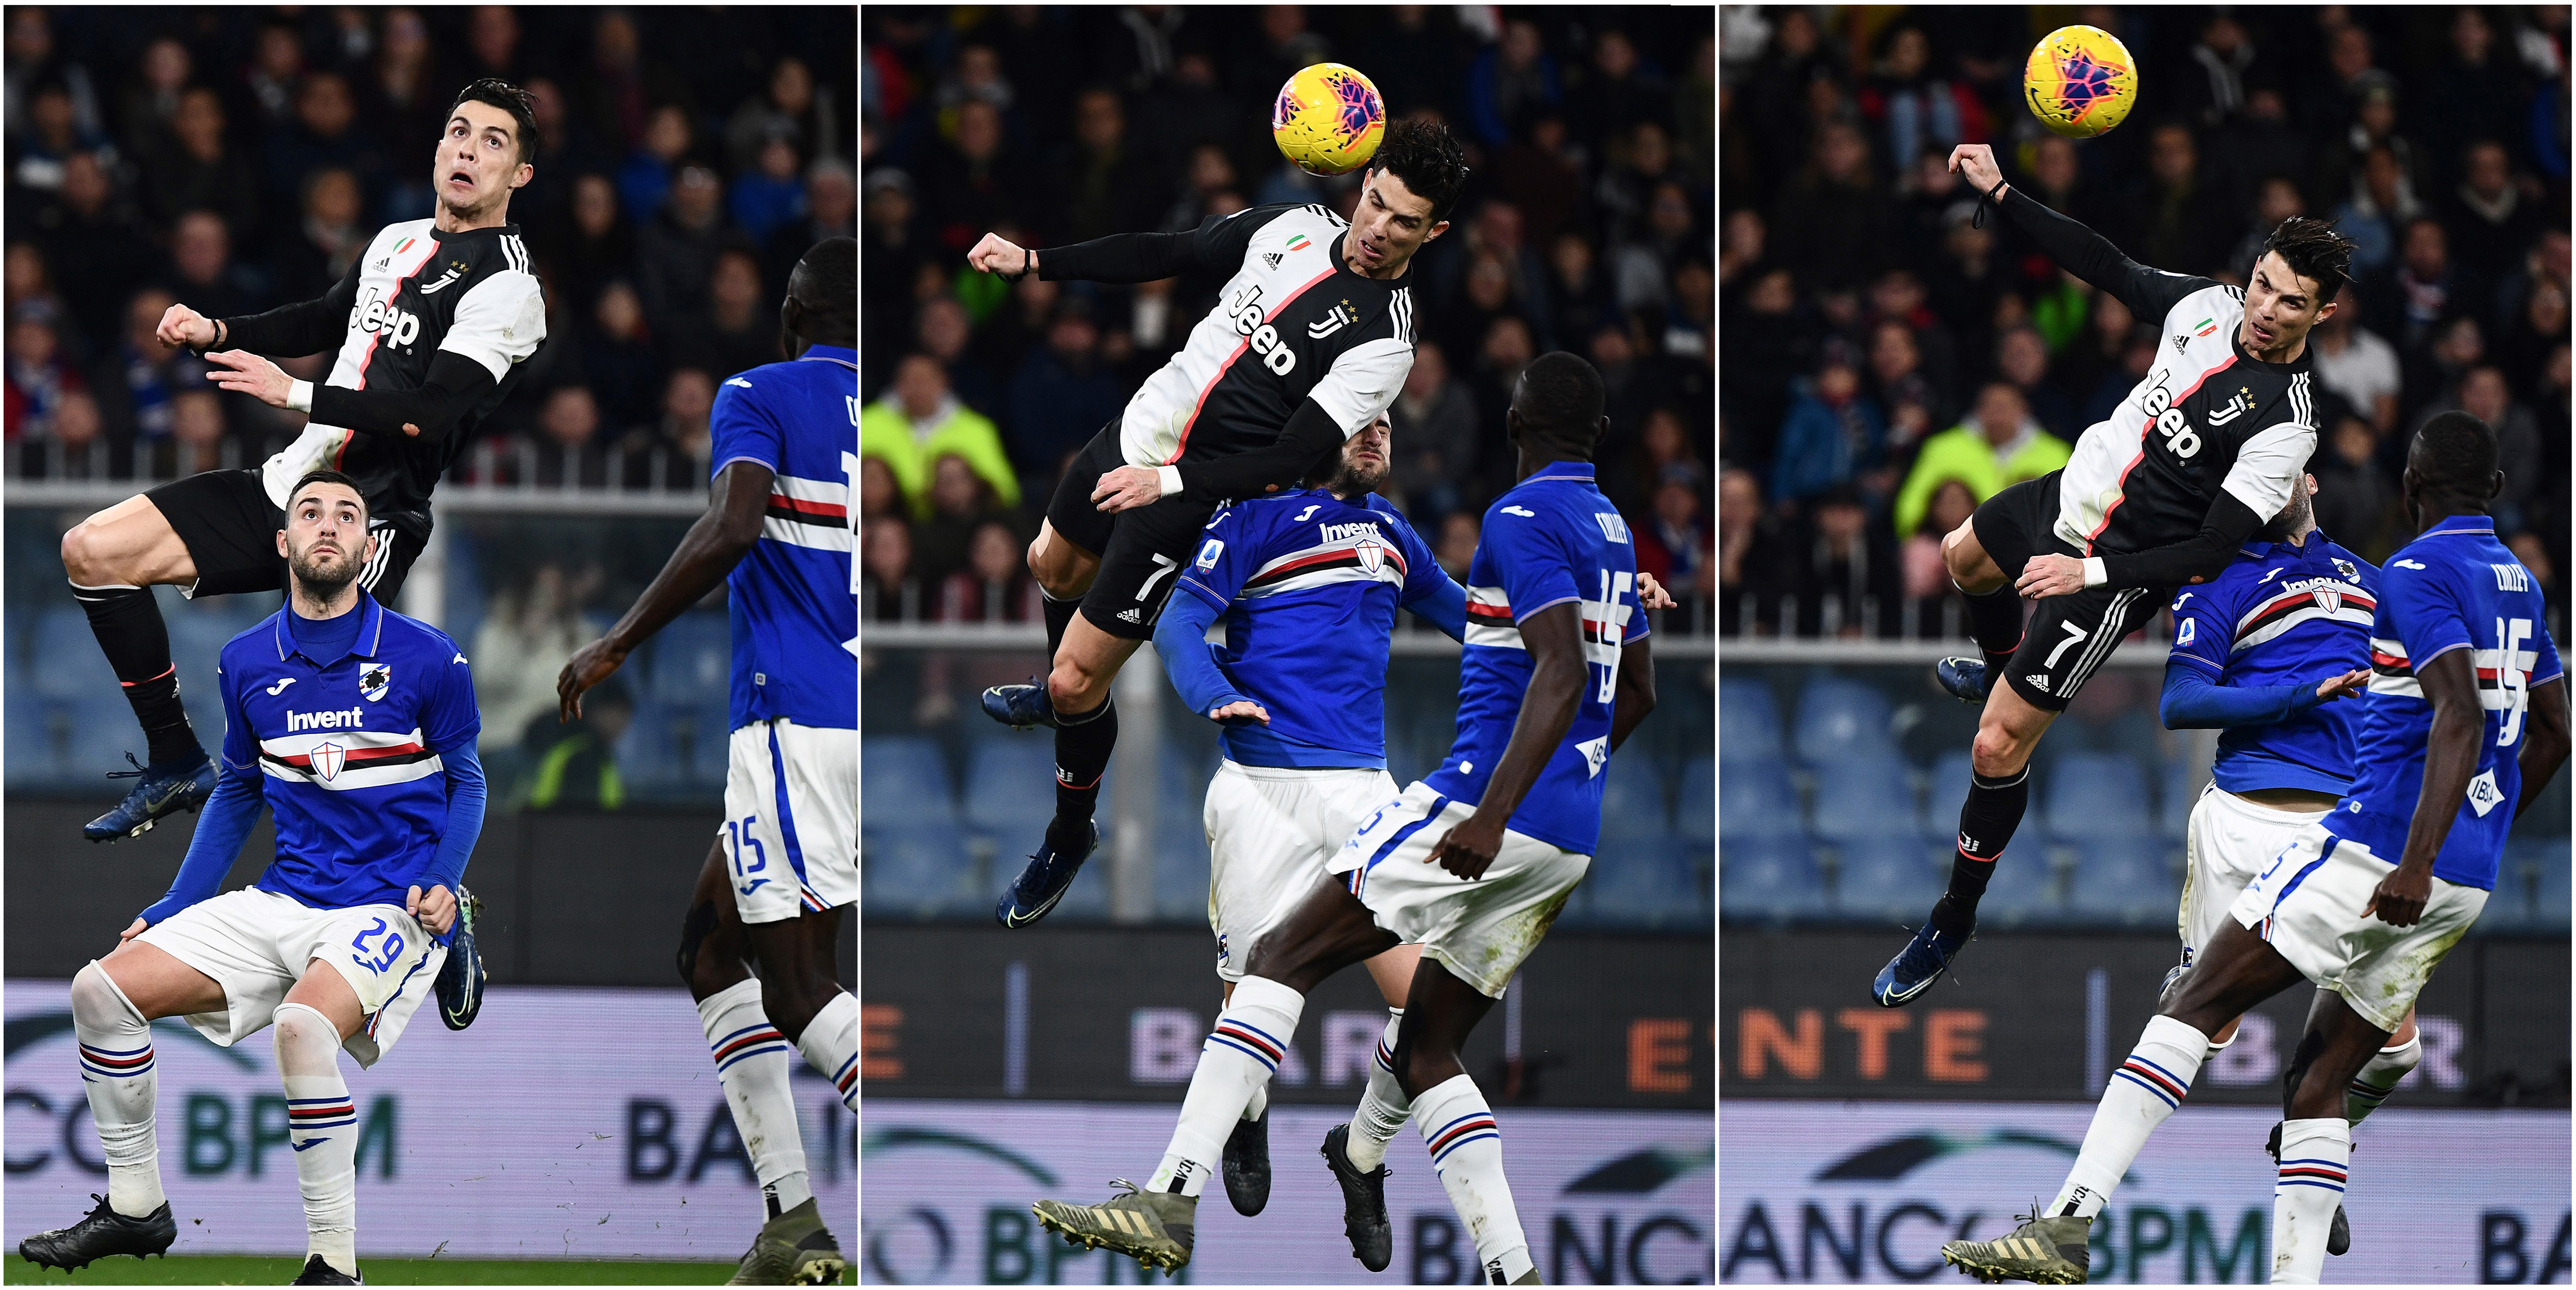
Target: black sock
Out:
[1082,744]
[127,622]
[1994,619]
[1059,615]
[1986,822]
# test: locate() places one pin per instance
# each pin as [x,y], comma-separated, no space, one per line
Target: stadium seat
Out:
[1632,801]
[1863,796]
[919,869]
[2182,779]
[1769,878]
[692,657]
[1888,877]
[31,761]
[2125,880]
[2550,908]
[1839,719]
[903,778]
[1695,802]
[1645,883]
[72,666]
[1949,788]
[1010,787]
[1748,722]
[1756,802]
[2093,795]
[2025,890]
[1181,873]
[648,758]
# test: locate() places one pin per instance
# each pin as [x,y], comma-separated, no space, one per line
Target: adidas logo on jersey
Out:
[2038,681]
[2179,342]
[1272,259]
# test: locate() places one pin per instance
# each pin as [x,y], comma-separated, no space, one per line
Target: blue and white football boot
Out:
[1050,873]
[165,790]
[1917,966]
[1963,676]
[461,978]
[1020,707]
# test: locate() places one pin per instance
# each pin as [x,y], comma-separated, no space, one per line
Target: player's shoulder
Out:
[1386,512]
[2351,566]
[400,632]
[400,231]
[252,646]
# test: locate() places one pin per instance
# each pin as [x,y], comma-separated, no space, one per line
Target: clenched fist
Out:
[181,325]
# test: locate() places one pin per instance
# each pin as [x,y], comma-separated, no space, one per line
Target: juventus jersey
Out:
[2208,416]
[414,292]
[1293,323]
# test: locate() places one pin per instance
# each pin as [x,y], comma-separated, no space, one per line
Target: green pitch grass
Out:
[235,1270]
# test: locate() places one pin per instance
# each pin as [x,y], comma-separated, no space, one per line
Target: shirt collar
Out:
[2465,524]
[841,354]
[371,630]
[1561,470]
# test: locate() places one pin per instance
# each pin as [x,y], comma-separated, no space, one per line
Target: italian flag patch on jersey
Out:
[1299,243]
[406,245]
[2204,327]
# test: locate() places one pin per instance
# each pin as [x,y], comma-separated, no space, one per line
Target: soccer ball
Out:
[2080,82]
[1328,119]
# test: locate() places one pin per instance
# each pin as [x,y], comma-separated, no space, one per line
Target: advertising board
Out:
[1606,1197]
[565,1124]
[1829,1191]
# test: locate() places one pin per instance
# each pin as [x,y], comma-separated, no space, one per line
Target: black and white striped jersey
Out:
[414,292]
[1293,323]
[2207,417]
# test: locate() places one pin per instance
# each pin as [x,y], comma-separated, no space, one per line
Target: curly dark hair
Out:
[521,106]
[1426,156]
[2313,249]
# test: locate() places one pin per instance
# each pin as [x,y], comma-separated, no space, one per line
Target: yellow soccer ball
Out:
[1328,119]
[2080,82]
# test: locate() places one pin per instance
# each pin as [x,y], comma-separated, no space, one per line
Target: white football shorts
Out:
[2227,842]
[2307,904]
[1480,930]
[791,830]
[255,944]
[1269,831]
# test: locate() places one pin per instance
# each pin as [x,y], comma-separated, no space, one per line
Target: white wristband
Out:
[1168,478]
[299,396]
[2095,573]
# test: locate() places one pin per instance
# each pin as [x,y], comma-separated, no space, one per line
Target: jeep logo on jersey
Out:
[327,760]
[2168,420]
[399,327]
[1245,315]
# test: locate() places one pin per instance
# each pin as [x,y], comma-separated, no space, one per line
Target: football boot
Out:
[166,789]
[1155,1228]
[1049,875]
[100,1233]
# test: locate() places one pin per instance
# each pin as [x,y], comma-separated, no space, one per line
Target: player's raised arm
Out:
[2079,250]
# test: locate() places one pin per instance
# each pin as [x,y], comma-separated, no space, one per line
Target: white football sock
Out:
[1383,1108]
[322,1126]
[2146,1089]
[1235,1062]
[751,1064]
[1467,1149]
[2379,1076]
[1259,1105]
[831,1045]
[118,1073]
[2315,1155]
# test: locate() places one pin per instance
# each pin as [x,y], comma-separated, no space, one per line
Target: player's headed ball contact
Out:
[2080,82]
[1328,119]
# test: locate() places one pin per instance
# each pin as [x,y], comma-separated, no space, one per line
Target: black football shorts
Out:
[1141,551]
[230,529]
[2068,637]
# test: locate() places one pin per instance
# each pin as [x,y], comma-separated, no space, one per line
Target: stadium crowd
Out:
[236,159]
[1585,227]
[1890,358]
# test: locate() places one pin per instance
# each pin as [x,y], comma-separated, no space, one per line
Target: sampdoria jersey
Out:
[2282,615]
[1293,323]
[794,600]
[1308,585]
[1554,538]
[2208,416]
[2454,588]
[414,292]
[346,751]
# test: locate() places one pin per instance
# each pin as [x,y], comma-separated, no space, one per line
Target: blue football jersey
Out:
[2454,588]
[1554,538]
[2282,615]
[346,751]
[794,600]
[1307,585]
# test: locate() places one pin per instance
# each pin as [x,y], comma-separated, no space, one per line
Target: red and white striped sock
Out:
[2315,1156]
[751,1060]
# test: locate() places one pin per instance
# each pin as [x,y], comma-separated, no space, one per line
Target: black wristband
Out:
[1988,196]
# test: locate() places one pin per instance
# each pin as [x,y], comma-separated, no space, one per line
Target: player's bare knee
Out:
[1069,688]
[83,562]
[1998,751]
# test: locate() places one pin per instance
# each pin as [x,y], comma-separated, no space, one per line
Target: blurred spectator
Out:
[2482,393]
[1927,575]
[577,767]
[1832,433]
[2354,497]
[40,376]
[1846,582]
[2137,358]
[87,239]
[324,135]
[2276,199]
[1060,397]
[1435,439]
[145,375]
[196,435]
[2536,330]
[1097,185]
[830,210]
[196,167]
[2173,218]
[679,246]
[1506,350]
[328,238]
[277,68]
[534,624]
[1750,553]
[786,112]
[1534,175]
[888,592]
[2407,300]
[1832,217]
[959,503]
[686,400]
[2492,223]
[205,276]
[76,451]
[619,360]
[946,334]
[2355,362]
[622,83]
[1676,545]
[1998,445]
[769,194]
[2382,204]
[2021,359]
[917,422]
[2470,95]
[878,494]
[1915,106]
[1510,82]
[994,586]
[972,182]
[1459,533]
[568,453]
[590,248]
[740,328]
[1578,291]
